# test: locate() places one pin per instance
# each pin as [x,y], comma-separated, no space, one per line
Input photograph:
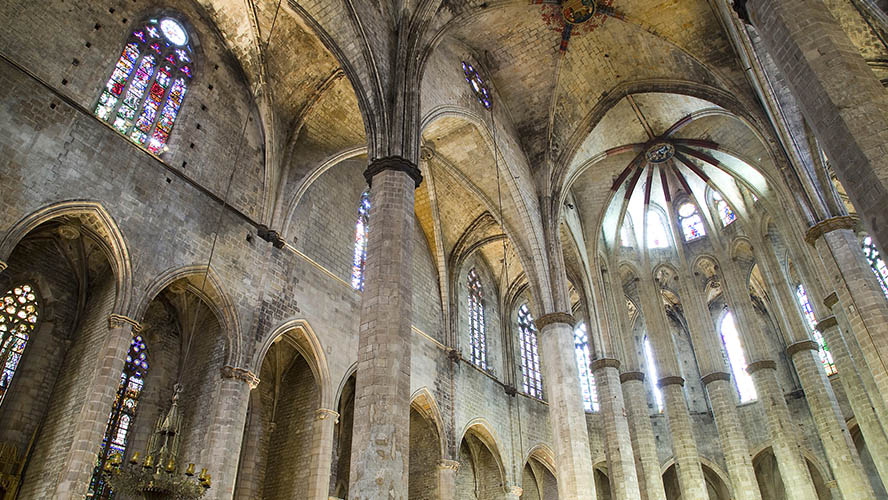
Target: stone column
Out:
[380,445]
[840,451]
[226,432]
[647,465]
[514,493]
[617,441]
[573,458]
[92,418]
[321,454]
[447,471]
[838,93]
[684,446]
[860,298]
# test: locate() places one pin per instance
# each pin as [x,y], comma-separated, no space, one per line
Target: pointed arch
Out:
[481,428]
[423,401]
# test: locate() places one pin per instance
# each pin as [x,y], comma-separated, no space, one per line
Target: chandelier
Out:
[157,476]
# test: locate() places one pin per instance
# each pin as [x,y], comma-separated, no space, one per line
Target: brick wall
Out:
[424,455]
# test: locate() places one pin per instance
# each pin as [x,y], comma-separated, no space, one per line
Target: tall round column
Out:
[617,441]
[647,465]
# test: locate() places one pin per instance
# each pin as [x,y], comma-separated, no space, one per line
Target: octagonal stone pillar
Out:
[617,441]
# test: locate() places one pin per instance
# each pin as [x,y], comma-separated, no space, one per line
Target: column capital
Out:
[120,321]
[517,491]
[325,413]
[830,300]
[712,377]
[551,318]
[829,225]
[663,382]
[826,323]
[802,345]
[627,376]
[241,374]
[760,365]
[444,464]
[398,163]
[604,363]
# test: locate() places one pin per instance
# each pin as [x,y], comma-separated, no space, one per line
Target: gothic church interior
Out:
[444,249]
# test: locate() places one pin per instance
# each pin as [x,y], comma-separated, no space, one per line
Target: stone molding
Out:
[396,163]
[663,382]
[551,318]
[712,377]
[325,413]
[802,345]
[241,374]
[826,323]
[829,225]
[604,363]
[831,300]
[627,376]
[760,365]
[120,321]
[444,464]
[516,490]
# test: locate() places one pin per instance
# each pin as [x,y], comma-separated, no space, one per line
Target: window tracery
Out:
[733,351]
[876,263]
[822,349]
[530,357]
[725,213]
[477,84]
[120,420]
[690,221]
[361,232]
[587,379]
[18,318]
[149,81]
[476,321]
[652,374]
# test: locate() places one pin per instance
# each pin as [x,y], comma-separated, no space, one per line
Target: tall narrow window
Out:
[876,263]
[652,374]
[690,221]
[17,320]
[476,321]
[121,418]
[144,94]
[725,213]
[587,380]
[361,228]
[825,356]
[734,353]
[657,234]
[530,357]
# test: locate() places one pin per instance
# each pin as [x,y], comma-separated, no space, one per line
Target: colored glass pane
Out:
[822,349]
[733,351]
[725,213]
[876,263]
[532,380]
[587,380]
[690,221]
[479,88]
[141,99]
[652,374]
[361,228]
[17,320]
[476,321]
[120,420]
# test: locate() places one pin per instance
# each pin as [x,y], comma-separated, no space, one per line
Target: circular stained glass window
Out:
[686,210]
[173,31]
[478,86]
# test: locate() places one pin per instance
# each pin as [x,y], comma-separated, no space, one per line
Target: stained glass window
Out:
[17,320]
[144,94]
[690,221]
[733,351]
[587,380]
[476,321]
[825,356]
[530,357]
[477,84]
[361,228]
[657,235]
[725,213]
[876,263]
[123,412]
[652,374]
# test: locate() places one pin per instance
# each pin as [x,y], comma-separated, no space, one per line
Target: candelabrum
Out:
[157,476]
